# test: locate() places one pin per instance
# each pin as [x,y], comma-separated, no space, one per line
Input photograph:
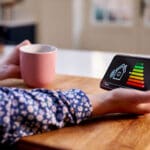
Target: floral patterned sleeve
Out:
[27,112]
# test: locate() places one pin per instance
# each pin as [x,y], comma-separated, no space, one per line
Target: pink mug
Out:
[37,65]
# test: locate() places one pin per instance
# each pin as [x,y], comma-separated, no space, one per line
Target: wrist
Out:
[101,104]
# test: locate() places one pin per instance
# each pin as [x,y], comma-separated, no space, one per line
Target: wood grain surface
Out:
[110,132]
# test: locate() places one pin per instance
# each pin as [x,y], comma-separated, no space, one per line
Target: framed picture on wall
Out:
[112,11]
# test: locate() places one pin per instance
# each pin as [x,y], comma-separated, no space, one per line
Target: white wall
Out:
[55,24]
[27,9]
[61,24]
[53,17]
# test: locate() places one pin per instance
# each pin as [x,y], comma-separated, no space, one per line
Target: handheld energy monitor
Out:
[127,72]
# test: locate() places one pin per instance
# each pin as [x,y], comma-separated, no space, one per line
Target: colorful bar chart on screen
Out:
[136,77]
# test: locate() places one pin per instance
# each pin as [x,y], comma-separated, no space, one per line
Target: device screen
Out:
[127,72]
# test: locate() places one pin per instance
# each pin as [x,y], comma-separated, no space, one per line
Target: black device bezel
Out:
[105,84]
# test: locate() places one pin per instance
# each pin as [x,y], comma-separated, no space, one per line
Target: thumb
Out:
[143,108]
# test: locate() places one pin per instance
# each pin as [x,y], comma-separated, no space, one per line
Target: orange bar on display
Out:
[136,81]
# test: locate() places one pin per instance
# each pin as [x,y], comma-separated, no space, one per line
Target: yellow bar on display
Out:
[137,74]
[135,77]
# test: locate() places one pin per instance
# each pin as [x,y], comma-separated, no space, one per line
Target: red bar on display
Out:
[135,84]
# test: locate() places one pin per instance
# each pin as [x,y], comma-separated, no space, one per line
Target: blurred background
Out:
[103,25]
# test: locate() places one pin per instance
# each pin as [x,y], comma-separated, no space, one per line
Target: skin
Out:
[115,101]
[121,101]
[9,66]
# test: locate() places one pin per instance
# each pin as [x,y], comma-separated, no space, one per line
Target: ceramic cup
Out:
[37,65]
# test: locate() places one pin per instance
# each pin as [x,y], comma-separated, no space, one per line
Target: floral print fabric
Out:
[27,112]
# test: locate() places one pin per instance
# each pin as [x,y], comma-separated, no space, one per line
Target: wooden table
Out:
[114,132]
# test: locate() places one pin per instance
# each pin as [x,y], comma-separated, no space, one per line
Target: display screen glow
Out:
[127,72]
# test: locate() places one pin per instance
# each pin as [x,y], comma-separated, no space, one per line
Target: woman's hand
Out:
[121,101]
[9,67]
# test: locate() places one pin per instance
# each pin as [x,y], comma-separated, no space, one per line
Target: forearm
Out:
[25,112]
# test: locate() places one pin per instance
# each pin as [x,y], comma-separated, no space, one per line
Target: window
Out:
[113,11]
